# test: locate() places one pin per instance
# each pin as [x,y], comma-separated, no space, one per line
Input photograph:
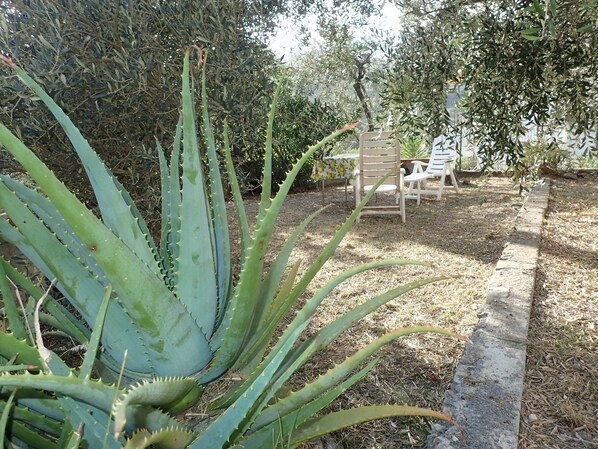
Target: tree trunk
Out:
[360,90]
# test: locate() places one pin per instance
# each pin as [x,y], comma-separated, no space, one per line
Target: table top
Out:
[342,166]
[344,156]
[420,159]
[339,166]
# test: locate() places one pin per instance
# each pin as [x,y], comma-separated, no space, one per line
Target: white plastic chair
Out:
[441,164]
[379,154]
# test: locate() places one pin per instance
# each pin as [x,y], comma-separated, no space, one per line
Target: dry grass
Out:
[463,234]
[561,395]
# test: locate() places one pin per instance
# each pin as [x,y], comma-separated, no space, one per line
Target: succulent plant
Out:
[162,321]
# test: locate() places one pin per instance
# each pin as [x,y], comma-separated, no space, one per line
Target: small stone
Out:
[532,418]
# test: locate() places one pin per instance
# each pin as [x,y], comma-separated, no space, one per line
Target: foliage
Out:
[299,123]
[162,321]
[537,156]
[515,72]
[584,162]
[116,70]
[343,67]
[413,146]
[423,61]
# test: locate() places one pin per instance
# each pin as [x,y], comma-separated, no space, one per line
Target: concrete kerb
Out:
[485,396]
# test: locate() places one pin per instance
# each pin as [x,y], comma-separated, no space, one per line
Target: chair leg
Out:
[454,180]
[357,200]
[410,191]
[441,186]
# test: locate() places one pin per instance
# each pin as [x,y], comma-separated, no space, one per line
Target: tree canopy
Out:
[114,68]
[520,63]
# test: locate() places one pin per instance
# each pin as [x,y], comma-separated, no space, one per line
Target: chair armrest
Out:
[418,166]
[355,181]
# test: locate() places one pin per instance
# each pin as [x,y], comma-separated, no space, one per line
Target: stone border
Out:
[485,396]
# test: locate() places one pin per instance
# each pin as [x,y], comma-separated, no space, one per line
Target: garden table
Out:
[339,166]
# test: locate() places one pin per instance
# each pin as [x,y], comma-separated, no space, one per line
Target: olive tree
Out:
[520,63]
[115,68]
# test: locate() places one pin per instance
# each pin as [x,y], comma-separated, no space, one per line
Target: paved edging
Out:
[485,396]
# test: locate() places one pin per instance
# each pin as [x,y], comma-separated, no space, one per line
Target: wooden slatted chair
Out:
[441,164]
[379,154]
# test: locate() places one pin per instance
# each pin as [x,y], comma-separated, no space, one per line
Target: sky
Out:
[286,41]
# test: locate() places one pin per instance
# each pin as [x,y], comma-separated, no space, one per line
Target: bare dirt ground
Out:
[560,403]
[463,235]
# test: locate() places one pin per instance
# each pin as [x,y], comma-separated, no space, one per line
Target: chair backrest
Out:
[443,149]
[379,153]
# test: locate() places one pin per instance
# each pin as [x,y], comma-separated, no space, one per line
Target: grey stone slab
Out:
[485,395]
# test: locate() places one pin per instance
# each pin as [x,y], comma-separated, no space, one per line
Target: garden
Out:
[171,276]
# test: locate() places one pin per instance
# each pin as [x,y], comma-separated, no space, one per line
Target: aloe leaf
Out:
[23,434]
[48,214]
[164,439]
[74,438]
[37,402]
[237,197]
[339,420]
[93,421]
[10,347]
[220,430]
[269,218]
[235,394]
[165,393]
[254,349]
[245,239]
[239,313]
[94,415]
[267,171]
[166,225]
[196,284]
[269,435]
[175,195]
[139,289]
[8,368]
[86,390]
[221,246]
[331,246]
[35,420]
[332,377]
[75,281]
[329,332]
[272,279]
[118,210]
[262,330]
[79,395]
[302,318]
[12,312]
[94,341]
[67,321]
[8,406]
[326,252]
[274,386]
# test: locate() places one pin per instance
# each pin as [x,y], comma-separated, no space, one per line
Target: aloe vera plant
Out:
[162,321]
